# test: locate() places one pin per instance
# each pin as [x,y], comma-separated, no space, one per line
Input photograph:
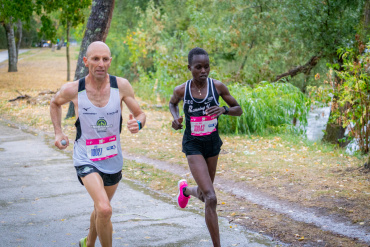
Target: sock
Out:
[183,191]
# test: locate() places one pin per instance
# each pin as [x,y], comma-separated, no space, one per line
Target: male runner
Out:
[97,154]
[201,142]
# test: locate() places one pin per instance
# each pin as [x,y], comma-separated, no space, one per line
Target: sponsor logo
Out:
[86,108]
[101,125]
[196,109]
[112,113]
[89,113]
[86,169]
[111,147]
[101,122]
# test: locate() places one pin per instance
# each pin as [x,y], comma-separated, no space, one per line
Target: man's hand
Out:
[177,123]
[132,124]
[60,140]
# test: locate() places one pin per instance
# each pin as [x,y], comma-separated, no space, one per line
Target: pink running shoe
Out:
[182,200]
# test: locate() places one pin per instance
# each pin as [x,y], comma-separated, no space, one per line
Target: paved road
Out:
[43,204]
[4,54]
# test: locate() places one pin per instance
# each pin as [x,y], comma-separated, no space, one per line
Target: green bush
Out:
[270,107]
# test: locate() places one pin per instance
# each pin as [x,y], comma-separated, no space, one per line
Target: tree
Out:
[12,12]
[70,16]
[321,26]
[97,29]
[353,94]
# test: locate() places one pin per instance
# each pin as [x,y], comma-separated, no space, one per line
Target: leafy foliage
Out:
[323,25]
[248,43]
[71,12]
[24,10]
[352,94]
[268,108]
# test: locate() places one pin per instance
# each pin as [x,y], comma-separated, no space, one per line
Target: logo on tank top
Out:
[101,122]
[101,125]
[88,113]
[112,113]
[201,108]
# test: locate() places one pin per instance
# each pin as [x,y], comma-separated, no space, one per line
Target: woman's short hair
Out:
[196,51]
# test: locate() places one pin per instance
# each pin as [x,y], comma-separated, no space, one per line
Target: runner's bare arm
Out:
[128,96]
[67,93]
[178,95]
[223,91]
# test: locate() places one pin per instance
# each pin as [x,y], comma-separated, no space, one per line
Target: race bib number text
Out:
[102,148]
[201,126]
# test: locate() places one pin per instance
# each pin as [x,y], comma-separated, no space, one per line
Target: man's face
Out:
[98,60]
[200,67]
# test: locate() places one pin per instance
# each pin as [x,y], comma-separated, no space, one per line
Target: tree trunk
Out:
[335,131]
[245,57]
[367,16]
[12,50]
[367,164]
[67,51]
[97,29]
[60,44]
[19,36]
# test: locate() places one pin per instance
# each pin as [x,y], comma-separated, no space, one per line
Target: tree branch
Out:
[306,68]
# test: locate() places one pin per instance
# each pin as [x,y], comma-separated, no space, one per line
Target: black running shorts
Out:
[108,179]
[208,148]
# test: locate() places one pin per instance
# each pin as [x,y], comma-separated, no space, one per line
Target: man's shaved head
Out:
[96,45]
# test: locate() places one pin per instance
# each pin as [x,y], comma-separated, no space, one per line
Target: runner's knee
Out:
[210,199]
[104,211]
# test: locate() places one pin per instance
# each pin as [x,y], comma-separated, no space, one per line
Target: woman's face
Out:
[200,68]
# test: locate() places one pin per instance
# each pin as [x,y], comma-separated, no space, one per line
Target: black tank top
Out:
[198,124]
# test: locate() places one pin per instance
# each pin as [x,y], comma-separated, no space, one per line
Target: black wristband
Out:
[226,110]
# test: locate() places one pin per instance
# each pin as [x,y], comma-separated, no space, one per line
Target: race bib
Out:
[102,148]
[202,126]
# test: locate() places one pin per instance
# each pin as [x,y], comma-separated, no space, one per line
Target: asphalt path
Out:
[4,54]
[43,204]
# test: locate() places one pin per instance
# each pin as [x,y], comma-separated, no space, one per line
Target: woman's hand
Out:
[215,111]
[177,123]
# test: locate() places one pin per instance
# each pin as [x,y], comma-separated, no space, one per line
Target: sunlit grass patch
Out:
[38,70]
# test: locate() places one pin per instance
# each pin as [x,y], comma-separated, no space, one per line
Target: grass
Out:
[289,167]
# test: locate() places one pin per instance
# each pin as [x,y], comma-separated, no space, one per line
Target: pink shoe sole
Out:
[182,200]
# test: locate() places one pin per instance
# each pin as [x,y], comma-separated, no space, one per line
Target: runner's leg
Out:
[91,238]
[100,223]
[212,167]
[203,172]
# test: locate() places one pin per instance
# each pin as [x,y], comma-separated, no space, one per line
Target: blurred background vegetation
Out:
[278,57]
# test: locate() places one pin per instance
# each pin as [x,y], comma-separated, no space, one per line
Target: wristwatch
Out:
[139,123]
[226,110]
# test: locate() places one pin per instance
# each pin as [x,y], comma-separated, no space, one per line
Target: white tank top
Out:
[98,131]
